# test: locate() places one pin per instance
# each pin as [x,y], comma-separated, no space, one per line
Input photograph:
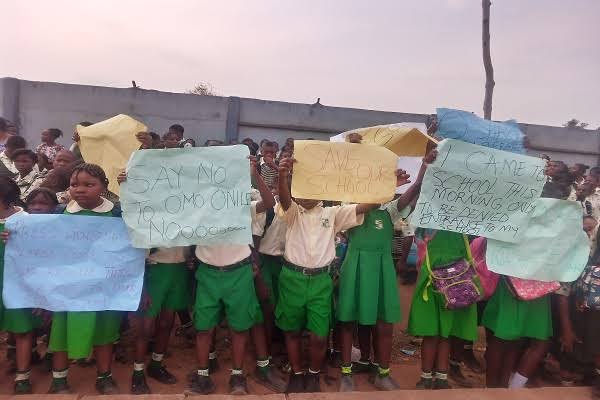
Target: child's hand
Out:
[285,165]
[4,236]
[402,178]
[145,139]
[76,137]
[145,302]
[253,165]
[354,138]
[122,177]
[568,340]
[430,156]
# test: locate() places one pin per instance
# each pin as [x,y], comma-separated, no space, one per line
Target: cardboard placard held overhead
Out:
[109,144]
[345,172]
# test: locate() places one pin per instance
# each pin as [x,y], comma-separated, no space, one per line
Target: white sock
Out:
[138,366]
[157,357]
[212,355]
[517,381]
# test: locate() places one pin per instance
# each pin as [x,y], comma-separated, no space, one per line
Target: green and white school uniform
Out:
[272,246]
[19,320]
[77,332]
[225,286]
[428,313]
[167,280]
[510,318]
[368,291]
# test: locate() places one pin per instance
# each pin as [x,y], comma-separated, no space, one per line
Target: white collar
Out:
[106,206]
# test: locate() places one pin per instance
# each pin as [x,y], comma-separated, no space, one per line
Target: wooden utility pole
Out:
[487,60]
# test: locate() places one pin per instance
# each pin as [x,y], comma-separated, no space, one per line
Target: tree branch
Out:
[487,60]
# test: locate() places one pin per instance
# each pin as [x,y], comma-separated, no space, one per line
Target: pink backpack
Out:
[526,289]
[488,279]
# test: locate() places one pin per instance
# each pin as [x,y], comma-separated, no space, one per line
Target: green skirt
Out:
[368,290]
[510,318]
[77,332]
[432,318]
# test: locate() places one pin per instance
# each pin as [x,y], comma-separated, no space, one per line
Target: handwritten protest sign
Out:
[71,263]
[468,127]
[479,191]
[552,247]
[408,140]
[109,144]
[182,197]
[343,172]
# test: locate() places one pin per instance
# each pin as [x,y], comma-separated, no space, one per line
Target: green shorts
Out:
[270,268]
[226,293]
[20,320]
[169,287]
[368,289]
[77,332]
[304,302]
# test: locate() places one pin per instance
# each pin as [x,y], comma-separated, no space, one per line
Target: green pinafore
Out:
[368,291]
[76,332]
[428,313]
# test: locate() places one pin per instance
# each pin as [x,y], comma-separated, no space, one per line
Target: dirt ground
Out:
[180,360]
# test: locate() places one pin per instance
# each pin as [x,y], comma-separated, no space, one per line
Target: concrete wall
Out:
[39,105]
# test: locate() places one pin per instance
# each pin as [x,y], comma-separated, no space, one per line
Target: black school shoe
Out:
[312,383]
[23,387]
[201,384]
[106,385]
[295,383]
[59,386]
[237,385]
[139,385]
[161,374]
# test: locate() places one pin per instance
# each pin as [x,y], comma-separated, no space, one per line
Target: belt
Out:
[304,270]
[229,268]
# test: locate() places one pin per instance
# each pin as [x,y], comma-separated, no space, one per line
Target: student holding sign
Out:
[226,288]
[167,289]
[368,292]
[74,334]
[305,286]
[16,321]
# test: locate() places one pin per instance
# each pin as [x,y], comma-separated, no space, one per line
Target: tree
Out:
[203,89]
[487,60]
[575,123]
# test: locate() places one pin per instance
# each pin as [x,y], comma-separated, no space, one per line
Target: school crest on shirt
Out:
[325,222]
[379,224]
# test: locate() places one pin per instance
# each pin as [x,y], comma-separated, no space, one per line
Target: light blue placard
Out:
[468,127]
[189,196]
[553,246]
[71,263]
[479,191]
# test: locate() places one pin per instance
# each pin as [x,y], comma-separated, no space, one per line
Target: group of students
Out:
[287,282]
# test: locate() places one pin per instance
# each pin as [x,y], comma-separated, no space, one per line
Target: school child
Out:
[509,320]
[29,177]
[167,290]
[49,147]
[171,140]
[368,292]
[7,167]
[63,159]
[19,322]
[225,286]
[305,286]
[270,249]
[74,334]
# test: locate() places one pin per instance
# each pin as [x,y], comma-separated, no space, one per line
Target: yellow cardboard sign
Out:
[344,172]
[109,144]
[402,140]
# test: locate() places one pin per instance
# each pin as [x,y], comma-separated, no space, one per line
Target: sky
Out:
[393,55]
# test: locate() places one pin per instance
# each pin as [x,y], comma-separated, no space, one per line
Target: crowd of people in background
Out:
[306,256]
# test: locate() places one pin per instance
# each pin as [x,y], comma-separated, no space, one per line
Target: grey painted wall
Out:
[39,105]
